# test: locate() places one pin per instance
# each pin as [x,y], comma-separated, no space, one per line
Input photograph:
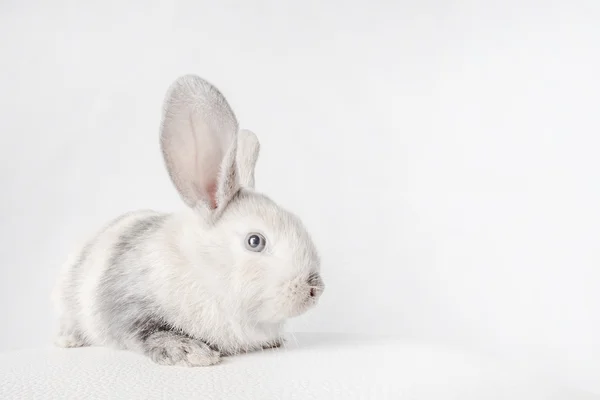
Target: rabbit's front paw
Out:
[169,348]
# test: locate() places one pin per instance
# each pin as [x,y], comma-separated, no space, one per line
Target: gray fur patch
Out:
[69,330]
[129,240]
[148,326]
[85,252]
[127,313]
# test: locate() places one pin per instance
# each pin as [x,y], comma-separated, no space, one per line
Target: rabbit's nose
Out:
[316,285]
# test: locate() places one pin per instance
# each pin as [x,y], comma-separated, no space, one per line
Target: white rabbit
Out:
[219,278]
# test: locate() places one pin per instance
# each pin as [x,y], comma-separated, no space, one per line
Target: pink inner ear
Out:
[212,193]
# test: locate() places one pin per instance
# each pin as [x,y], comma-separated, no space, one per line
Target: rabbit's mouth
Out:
[294,298]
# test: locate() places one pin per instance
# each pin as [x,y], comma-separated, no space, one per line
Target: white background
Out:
[444,154]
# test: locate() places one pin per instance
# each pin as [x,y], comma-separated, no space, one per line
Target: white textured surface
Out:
[316,367]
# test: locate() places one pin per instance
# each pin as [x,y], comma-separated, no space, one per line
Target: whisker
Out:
[295,339]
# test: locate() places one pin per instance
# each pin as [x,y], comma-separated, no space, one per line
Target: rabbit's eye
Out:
[255,242]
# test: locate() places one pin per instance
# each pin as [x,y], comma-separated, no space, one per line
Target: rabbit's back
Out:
[94,274]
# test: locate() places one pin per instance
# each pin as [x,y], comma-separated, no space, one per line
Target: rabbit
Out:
[219,278]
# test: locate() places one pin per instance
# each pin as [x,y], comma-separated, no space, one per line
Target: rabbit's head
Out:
[262,258]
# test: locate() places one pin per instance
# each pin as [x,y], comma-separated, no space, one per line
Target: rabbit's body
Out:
[220,278]
[103,292]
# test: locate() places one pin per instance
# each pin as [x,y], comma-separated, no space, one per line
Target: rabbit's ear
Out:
[199,142]
[248,149]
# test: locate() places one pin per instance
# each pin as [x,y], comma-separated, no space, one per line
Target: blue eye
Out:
[255,242]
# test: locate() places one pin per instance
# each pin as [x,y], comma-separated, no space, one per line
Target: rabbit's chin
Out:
[303,308]
[296,310]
